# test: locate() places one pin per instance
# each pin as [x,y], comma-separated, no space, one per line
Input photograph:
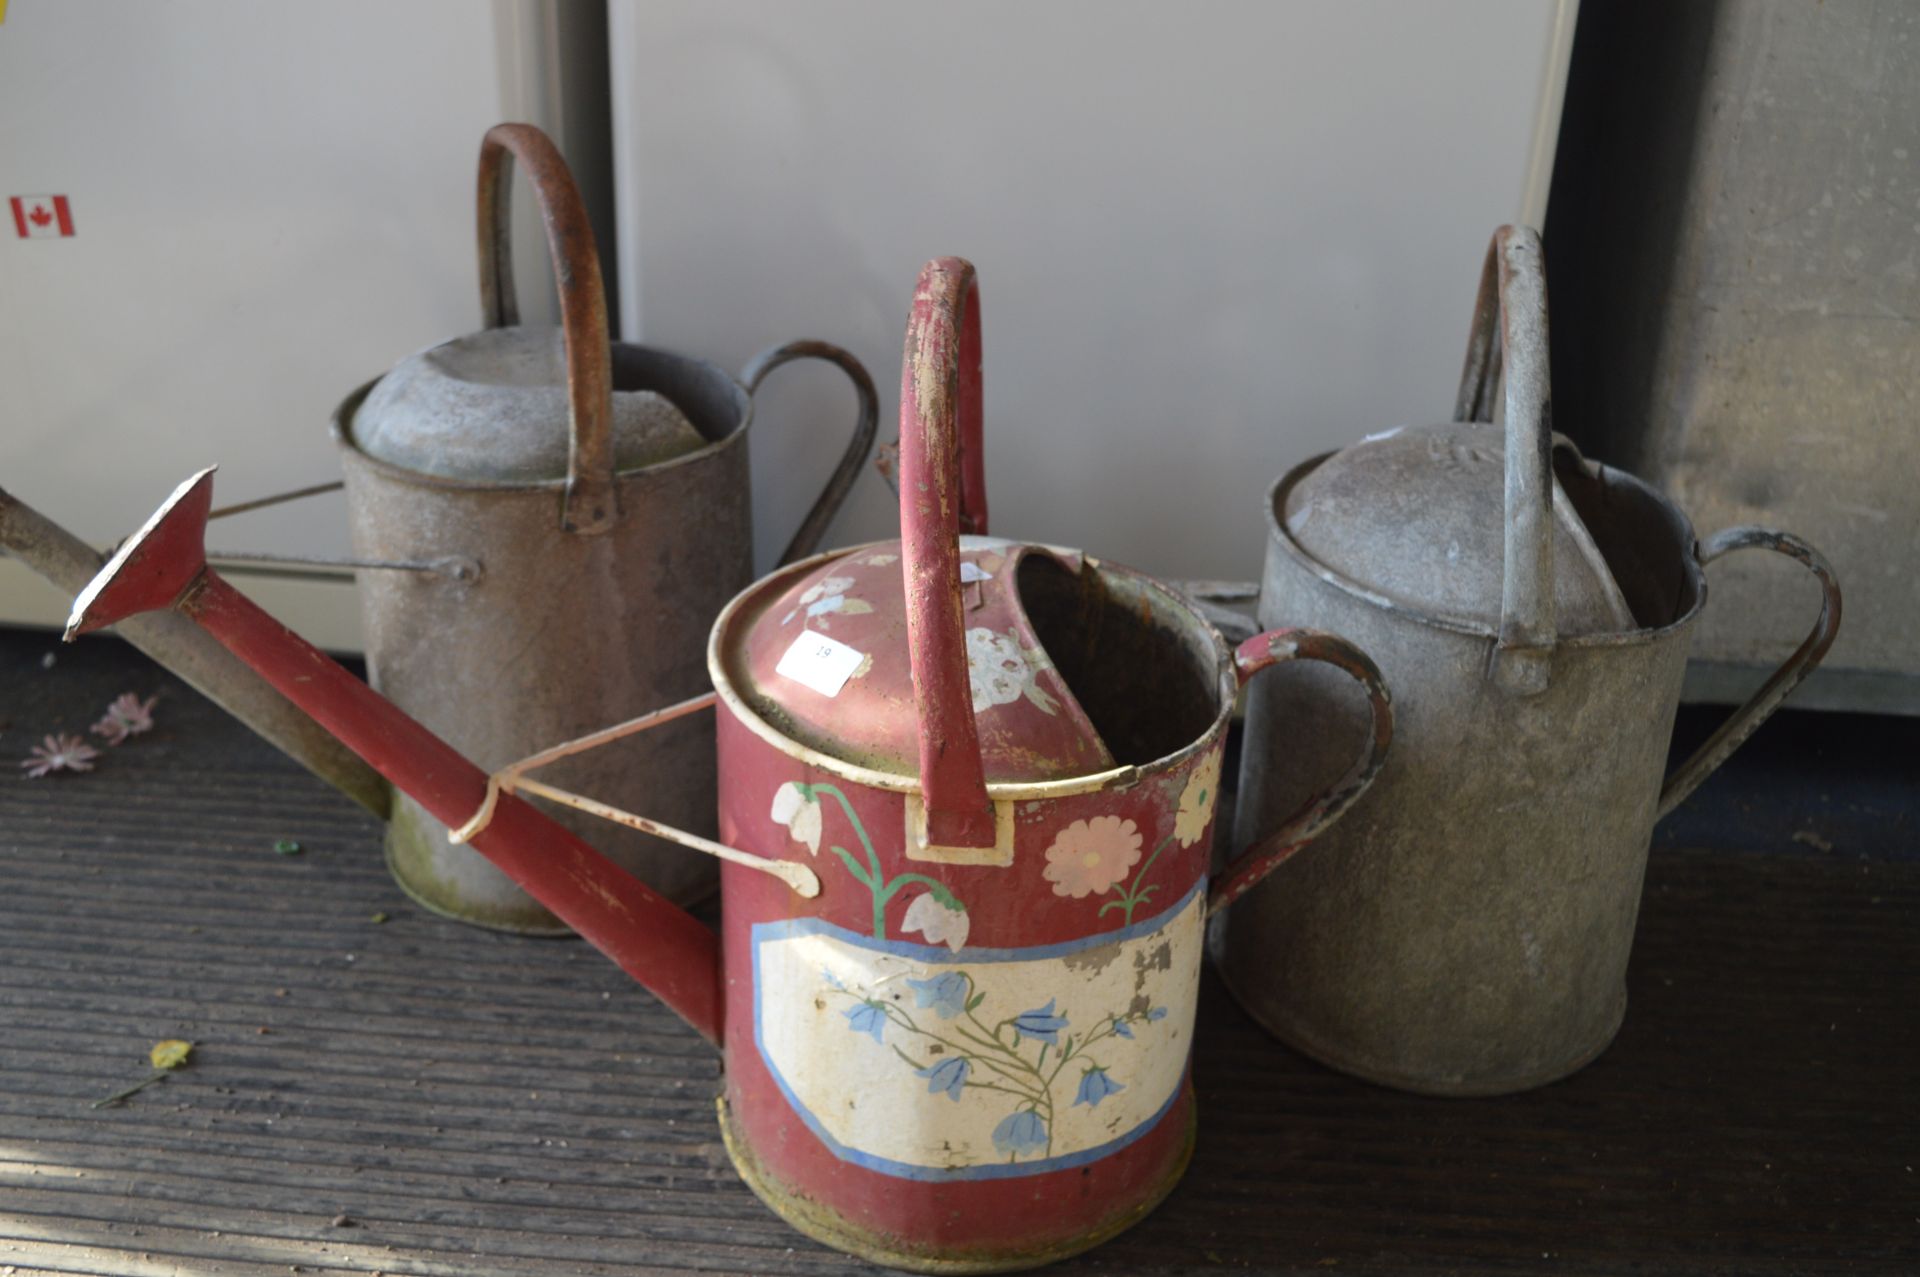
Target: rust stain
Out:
[1092,961]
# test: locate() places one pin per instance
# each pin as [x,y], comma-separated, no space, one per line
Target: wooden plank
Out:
[477,1102]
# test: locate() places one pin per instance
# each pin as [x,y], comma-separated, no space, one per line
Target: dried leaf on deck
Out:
[171,1054]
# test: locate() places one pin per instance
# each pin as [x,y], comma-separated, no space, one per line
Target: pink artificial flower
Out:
[62,753]
[127,716]
[1089,857]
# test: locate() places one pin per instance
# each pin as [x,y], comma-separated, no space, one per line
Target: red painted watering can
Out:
[966,802]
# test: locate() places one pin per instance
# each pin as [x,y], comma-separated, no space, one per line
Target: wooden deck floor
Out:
[413,1096]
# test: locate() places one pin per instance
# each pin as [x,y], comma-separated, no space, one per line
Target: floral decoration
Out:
[1196,801]
[1091,857]
[946,994]
[1040,1024]
[937,913]
[868,1017]
[826,587]
[948,1075]
[1021,1132]
[1095,1086]
[799,813]
[824,598]
[1000,672]
[965,1055]
[938,921]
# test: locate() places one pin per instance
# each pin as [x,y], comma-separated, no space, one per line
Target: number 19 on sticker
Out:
[820,662]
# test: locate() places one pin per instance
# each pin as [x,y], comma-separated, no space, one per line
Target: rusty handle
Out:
[1268,853]
[1746,720]
[943,494]
[589,506]
[1509,336]
[812,528]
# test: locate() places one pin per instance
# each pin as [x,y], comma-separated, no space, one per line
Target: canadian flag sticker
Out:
[42,216]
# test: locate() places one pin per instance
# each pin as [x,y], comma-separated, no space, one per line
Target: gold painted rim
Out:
[1123,777]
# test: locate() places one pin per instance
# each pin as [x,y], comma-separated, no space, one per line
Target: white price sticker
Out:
[971,571]
[819,662]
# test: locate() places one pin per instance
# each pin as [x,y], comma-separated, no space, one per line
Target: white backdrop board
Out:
[271,203]
[1212,238]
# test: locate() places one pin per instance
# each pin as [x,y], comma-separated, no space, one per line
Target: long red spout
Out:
[650,938]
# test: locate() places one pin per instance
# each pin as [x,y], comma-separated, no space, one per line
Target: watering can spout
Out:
[164,566]
[153,568]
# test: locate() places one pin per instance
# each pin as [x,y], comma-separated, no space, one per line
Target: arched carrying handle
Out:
[1747,719]
[1510,335]
[590,505]
[807,537]
[942,494]
[1269,852]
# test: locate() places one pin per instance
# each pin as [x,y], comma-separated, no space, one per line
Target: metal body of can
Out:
[559,634]
[572,601]
[967,788]
[969,1051]
[1465,929]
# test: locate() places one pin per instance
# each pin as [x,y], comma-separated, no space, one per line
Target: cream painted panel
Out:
[928,1064]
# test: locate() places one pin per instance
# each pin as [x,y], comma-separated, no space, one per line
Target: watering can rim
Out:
[1279,534]
[729,629]
[340,427]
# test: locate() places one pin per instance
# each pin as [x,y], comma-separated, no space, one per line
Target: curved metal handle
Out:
[1301,828]
[812,528]
[512,779]
[590,506]
[943,493]
[1510,329]
[1747,719]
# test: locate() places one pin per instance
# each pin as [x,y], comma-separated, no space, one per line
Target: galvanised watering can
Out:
[587,492]
[966,799]
[1465,930]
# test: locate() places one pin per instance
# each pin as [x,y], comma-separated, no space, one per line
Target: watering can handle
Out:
[806,537]
[590,505]
[1510,335]
[1746,720]
[1267,853]
[943,494]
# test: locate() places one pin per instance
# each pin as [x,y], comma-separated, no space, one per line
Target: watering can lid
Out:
[825,661]
[514,404]
[1417,515]
[493,406]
